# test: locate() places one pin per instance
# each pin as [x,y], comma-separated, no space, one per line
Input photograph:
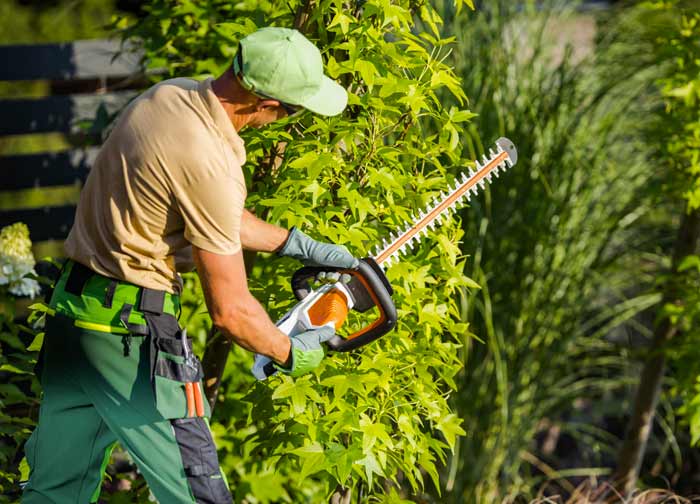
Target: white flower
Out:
[25,287]
[17,260]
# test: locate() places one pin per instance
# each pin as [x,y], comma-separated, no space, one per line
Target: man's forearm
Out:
[247,323]
[258,235]
[232,307]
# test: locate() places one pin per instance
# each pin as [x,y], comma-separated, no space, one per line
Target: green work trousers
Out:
[99,389]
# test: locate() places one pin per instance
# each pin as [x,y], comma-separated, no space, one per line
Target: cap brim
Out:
[330,99]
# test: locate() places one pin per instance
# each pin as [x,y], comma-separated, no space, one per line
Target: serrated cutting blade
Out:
[501,158]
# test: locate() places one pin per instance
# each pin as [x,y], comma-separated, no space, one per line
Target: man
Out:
[115,365]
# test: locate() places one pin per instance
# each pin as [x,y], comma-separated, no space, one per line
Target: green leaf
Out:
[367,71]
[341,460]
[267,486]
[312,459]
[24,469]
[407,429]
[13,369]
[426,462]
[341,19]
[294,391]
[450,426]
[371,467]
[316,191]
[11,394]
[690,262]
[373,432]
[461,115]
[36,343]
[393,498]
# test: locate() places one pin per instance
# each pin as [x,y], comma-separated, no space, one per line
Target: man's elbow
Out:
[233,316]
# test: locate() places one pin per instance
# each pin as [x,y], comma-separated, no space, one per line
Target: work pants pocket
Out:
[176,371]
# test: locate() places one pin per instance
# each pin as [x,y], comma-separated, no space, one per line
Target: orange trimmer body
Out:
[368,287]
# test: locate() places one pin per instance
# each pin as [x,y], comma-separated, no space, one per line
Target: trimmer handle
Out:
[369,287]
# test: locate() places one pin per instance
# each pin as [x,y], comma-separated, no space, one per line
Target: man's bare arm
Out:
[234,310]
[258,235]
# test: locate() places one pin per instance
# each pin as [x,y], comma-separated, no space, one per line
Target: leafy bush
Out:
[380,417]
[674,39]
[19,389]
[655,43]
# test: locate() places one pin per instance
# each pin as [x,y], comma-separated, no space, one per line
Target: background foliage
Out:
[584,233]
[19,390]
[681,152]
[571,250]
[545,244]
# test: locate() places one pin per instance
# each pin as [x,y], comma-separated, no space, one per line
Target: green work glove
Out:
[315,253]
[306,352]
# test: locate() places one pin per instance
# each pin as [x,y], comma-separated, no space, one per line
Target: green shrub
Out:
[19,389]
[379,417]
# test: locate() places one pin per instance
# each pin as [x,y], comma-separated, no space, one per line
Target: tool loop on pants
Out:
[152,301]
[132,328]
[138,329]
[109,294]
[126,343]
[151,304]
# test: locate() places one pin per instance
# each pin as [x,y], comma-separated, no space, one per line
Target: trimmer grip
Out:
[369,287]
[301,286]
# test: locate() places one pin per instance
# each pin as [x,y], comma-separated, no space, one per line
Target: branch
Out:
[639,427]
[302,16]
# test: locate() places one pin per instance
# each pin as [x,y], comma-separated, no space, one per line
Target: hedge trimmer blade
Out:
[504,157]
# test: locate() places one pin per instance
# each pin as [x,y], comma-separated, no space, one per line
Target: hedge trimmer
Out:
[368,286]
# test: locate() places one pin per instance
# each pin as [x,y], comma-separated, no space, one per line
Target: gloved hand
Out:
[306,352]
[315,253]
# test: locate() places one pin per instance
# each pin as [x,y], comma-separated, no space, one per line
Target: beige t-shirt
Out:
[169,175]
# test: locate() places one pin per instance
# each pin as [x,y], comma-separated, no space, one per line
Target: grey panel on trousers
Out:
[45,169]
[56,113]
[81,59]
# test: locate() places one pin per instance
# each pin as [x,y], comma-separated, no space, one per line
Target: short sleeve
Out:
[211,210]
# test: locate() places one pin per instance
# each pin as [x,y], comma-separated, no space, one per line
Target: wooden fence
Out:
[85,84]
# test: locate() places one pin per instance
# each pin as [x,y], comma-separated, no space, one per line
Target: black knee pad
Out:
[200,461]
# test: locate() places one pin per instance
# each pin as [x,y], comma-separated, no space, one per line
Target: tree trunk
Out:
[341,495]
[631,454]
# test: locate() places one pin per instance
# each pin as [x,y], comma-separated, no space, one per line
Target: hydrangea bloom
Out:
[16,260]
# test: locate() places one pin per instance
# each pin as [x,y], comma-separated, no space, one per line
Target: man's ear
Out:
[265,103]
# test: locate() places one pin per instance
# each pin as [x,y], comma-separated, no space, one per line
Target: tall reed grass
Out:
[548,244]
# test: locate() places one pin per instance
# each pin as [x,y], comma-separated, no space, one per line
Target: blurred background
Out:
[586,366]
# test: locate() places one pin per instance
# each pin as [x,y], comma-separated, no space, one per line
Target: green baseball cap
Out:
[283,64]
